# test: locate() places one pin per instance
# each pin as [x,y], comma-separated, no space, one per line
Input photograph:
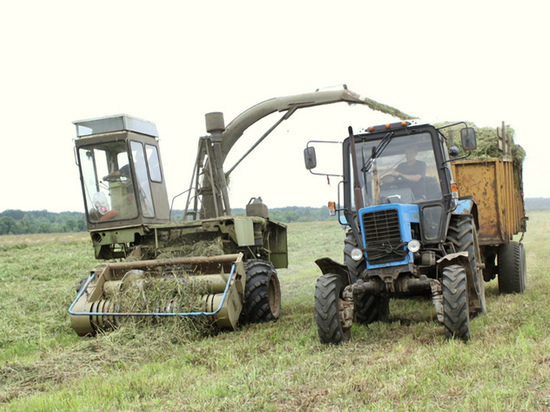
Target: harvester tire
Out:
[367,308]
[262,296]
[512,268]
[328,293]
[462,233]
[456,313]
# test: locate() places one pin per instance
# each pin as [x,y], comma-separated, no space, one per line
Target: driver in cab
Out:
[411,173]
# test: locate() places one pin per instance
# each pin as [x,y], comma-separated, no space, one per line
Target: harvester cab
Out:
[409,232]
[122,180]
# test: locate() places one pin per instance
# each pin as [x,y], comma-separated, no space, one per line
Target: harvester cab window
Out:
[142,177]
[108,185]
[153,163]
[403,172]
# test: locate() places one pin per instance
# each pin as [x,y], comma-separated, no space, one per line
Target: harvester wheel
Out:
[462,233]
[328,294]
[455,302]
[511,268]
[262,296]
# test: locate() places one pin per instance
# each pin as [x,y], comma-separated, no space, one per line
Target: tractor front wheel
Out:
[328,298]
[455,302]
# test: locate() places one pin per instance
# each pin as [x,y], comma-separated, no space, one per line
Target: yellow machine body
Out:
[496,186]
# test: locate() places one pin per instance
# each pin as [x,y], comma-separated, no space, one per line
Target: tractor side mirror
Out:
[310,158]
[468,136]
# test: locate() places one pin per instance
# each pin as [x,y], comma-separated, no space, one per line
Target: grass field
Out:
[405,364]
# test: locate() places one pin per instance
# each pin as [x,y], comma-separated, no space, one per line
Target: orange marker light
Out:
[454,191]
[332,208]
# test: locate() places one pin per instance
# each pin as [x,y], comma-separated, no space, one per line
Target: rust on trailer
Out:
[498,191]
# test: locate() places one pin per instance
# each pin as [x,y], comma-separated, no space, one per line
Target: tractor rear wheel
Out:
[512,268]
[328,295]
[455,302]
[262,295]
[463,235]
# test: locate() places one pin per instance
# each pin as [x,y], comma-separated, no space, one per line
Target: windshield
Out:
[403,170]
[108,186]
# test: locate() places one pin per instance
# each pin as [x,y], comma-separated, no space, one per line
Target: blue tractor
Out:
[408,231]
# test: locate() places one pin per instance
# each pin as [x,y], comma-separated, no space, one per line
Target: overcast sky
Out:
[171,62]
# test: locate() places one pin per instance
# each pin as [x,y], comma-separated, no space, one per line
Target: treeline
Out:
[537,203]
[18,222]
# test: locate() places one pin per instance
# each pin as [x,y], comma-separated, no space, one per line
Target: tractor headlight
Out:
[356,254]
[414,246]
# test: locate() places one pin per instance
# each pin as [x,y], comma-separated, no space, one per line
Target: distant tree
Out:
[71,225]
[81,226]
[45,227]
[15,214]
[7,223]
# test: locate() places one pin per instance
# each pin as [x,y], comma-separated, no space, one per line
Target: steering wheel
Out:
[388,179]
[113,178]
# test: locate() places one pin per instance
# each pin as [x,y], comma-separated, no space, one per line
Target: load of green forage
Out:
[487,142]
[488,146]
[384,108]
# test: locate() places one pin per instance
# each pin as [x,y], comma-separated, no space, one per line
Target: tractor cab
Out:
[404,168]
[121,172]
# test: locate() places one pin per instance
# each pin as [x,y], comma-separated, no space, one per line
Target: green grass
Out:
[405,364]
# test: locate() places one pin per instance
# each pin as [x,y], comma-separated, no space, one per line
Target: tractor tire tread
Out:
[455,303]
[511,268]
[327,295]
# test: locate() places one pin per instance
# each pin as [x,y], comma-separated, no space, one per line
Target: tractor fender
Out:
[327,265]
[467,206]
[460,258]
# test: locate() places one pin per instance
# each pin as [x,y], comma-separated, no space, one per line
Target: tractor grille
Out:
[383,237]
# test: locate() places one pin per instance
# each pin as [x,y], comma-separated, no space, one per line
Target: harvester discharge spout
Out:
[213,153]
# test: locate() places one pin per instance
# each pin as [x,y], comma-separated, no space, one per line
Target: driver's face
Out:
[410,154]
